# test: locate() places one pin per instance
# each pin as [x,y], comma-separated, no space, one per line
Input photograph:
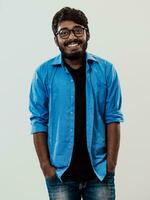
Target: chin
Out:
[76,54]
[73,56]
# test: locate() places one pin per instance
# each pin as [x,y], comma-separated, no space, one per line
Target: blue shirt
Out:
[52,105]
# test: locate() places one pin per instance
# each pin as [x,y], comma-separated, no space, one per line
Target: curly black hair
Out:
[71,14]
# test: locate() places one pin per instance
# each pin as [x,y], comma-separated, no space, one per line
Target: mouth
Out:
[73,44]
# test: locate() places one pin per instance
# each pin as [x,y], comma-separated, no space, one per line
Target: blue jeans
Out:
[89,190]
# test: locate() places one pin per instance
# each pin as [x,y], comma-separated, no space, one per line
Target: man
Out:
[75,101]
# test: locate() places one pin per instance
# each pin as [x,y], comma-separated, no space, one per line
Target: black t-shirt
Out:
[80,168]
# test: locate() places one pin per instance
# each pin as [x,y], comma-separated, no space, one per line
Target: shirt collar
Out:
[58,59]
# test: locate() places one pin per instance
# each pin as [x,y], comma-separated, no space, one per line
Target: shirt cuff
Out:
[39,128]
[118,117]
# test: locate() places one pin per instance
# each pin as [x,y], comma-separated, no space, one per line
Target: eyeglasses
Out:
[78,31]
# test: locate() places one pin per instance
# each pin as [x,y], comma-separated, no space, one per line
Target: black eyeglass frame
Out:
[71,30]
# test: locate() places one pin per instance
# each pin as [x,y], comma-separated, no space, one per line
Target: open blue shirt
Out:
[52,105]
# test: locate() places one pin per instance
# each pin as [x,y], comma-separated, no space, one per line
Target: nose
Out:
[72,35]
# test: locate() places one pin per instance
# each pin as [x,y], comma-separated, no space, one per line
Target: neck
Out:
[75,64]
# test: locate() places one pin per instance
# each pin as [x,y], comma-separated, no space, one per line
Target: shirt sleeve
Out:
[113,99]
[38,105]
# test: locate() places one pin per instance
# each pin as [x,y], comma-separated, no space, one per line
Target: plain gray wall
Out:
[119,33]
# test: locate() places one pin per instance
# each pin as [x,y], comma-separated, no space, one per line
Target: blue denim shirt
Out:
[52,105]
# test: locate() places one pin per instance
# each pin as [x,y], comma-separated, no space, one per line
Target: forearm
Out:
[113,143]
[40,143]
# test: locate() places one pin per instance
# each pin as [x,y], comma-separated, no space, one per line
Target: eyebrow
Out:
[76,26]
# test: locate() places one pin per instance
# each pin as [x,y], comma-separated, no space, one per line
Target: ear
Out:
[56,40]
[88,35]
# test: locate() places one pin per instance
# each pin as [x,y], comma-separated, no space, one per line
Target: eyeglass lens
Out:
[77,31]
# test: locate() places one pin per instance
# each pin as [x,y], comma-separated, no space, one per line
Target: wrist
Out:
[45,164]
[111,165]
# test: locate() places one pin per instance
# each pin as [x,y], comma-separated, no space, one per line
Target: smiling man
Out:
[75,101]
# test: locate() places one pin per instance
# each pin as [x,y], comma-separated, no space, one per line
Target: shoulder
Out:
[101,64]
[47,67]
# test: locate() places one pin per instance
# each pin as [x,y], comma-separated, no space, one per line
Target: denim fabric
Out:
[89,190]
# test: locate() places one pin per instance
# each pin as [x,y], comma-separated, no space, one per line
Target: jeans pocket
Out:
[48,178]
[110,179]
[52,180]
[111,173]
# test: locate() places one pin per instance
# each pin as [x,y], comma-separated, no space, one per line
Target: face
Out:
[74,46]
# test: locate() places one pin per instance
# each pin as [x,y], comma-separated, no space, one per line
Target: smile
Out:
[73,44]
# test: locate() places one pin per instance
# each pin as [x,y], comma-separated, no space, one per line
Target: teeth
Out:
[72,44]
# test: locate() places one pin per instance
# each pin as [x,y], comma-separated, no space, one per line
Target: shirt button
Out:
[71,80]
[71,112]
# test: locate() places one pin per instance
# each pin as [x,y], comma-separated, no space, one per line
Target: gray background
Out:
[119,33]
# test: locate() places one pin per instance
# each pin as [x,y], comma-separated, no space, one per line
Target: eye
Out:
[78,30]
[63,32]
